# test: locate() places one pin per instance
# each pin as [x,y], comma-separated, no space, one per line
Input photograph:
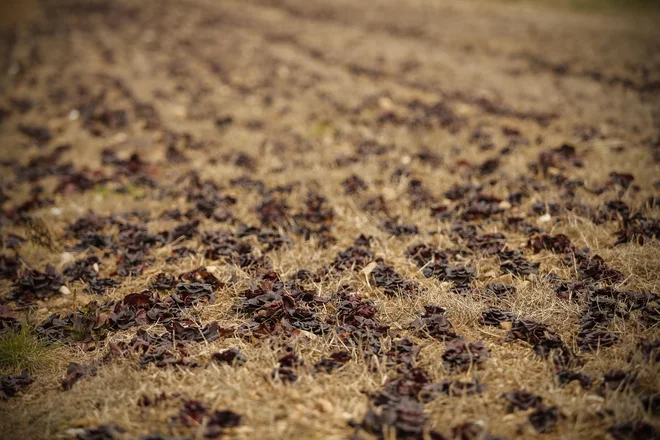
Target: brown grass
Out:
[463,51]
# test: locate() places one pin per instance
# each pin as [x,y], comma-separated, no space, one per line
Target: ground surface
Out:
[412,219]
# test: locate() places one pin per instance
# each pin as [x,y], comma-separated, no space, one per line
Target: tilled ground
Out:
[317,220]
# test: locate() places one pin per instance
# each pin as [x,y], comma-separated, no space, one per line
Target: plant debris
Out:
[11,385]
[75,372]
[309,219]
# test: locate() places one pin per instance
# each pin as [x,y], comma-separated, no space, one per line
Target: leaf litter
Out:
[419,273]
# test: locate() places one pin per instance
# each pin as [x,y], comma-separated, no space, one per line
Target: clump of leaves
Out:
[196,413]
[523,400]
[21,350]
[286,371]
[103,432]
[75,372]
[40,234]
[630,430]
[460,355]
[11,385]
[545,419]
[34,285]
[390,281]
[513,261]
[434,323]
[231,356]
[335,361]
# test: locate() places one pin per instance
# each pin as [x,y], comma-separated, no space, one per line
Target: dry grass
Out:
[288,66]
[606,6]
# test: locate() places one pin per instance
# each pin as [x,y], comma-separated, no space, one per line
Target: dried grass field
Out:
[283,219]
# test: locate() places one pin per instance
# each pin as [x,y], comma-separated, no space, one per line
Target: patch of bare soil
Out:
[330,220]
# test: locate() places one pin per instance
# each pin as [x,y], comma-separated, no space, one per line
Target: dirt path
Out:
[316,122]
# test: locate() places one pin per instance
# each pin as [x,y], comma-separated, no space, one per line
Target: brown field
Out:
[413,219]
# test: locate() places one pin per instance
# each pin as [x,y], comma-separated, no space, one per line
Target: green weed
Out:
[21,350]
